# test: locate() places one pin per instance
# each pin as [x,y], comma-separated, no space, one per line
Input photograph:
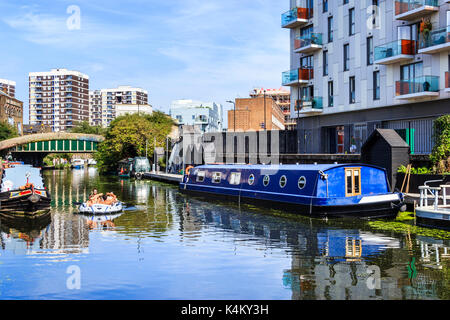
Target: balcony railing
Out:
[395,51]
[295,17]
[415,8]
[297,76]
[425,84]
[309,43]
[435,41]
[311,104]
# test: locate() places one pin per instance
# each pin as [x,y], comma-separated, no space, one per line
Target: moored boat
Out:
[77,163]
[23,193]
[103,209]
[327,190]
[433,209]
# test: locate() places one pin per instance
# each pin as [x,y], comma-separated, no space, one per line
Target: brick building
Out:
[252,114]
[58,99]
[282,97]
[11,111]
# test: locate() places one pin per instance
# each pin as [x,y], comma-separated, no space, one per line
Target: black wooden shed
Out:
[385,148]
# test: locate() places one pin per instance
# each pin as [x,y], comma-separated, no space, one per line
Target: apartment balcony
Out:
[409,10]
[437,41]
[447,80]
[296,17]
[308,44]
[309,106]
[297,77]
[395,52]
[426,86]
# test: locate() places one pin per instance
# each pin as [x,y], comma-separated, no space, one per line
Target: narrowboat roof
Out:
[301,167]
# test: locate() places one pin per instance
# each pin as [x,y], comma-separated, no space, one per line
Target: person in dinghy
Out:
[101,203]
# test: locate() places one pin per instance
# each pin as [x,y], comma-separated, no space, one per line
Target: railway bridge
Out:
[33,148]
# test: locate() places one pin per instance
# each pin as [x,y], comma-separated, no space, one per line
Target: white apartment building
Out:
[8,87]
[123,109]
[360,65]
[208,116]
[58,99]
[104,102]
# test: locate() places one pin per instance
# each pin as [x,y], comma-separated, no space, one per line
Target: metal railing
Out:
[435,192]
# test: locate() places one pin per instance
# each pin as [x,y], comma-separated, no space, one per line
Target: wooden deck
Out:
[163,177]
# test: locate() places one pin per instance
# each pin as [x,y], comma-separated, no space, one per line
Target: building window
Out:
[330,94]
[325,5]
[352,182]
[351,22]
[352,84]
[370,51]
[330,29]
[346,57]
[325,63]
[345,1]
[376,85]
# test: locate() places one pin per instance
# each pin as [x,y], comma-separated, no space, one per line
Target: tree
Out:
[128,136]
[440,157]
[7,131]
[85,127]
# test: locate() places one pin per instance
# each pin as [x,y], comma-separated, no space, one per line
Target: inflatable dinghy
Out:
[101,208]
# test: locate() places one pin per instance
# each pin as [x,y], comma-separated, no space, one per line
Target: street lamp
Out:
[234,113]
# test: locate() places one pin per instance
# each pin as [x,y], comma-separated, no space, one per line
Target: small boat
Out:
[91,162]
[23,193]
[326,190]
[101,208]
[124,170]
[77,163]
[433,209]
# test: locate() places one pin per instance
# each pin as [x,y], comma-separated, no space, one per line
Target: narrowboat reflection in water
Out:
[329,190]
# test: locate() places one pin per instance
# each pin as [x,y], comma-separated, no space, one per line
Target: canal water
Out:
[167,245]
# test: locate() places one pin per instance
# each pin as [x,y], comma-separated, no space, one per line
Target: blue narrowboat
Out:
[323,189]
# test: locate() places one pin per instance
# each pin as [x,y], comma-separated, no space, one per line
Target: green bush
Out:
[441,150]
[422,170]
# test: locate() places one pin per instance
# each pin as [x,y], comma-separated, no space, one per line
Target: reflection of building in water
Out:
[66,188]
[67,233]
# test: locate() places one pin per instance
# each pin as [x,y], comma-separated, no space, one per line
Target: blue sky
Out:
[208,50]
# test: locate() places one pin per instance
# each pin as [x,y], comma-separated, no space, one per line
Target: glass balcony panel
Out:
[312,39]
[315,103]
[417,85]
[295,14]
[403,6]
[434,38]
[396,48]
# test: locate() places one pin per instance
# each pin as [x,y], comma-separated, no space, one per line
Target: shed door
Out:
[352,182]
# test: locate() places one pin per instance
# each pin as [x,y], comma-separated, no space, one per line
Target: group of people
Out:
[99,198]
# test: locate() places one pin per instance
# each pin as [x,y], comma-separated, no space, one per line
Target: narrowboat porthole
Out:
[283,181]
[235,178]
[217,177]
[251,179]
[200,176]
[302,183]
[266,181]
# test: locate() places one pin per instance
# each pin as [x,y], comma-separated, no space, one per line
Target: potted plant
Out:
[425,28]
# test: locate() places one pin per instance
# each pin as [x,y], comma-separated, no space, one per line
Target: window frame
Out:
[359,191]
[214,177]
[198,176]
